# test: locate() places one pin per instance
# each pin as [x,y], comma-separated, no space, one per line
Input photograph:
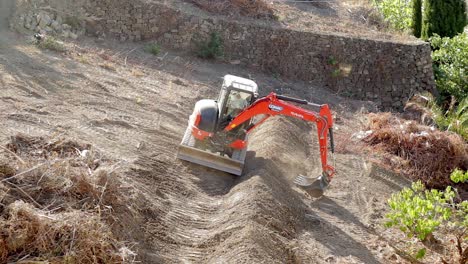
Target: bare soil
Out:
[358,18]
[133,107]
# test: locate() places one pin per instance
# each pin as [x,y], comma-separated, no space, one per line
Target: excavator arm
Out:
[273,104]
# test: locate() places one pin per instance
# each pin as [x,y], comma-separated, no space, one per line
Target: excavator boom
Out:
[273,105]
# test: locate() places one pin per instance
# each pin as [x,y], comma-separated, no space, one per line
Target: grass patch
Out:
[108,66]
[211,49]
[154,49]
[51,43]
[137,73]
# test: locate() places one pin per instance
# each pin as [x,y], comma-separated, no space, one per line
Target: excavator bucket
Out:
[187,151]
[314,187]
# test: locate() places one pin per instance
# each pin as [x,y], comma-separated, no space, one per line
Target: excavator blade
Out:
[314,187]
[187,151]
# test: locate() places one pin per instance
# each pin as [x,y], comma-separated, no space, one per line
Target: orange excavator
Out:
[218,130]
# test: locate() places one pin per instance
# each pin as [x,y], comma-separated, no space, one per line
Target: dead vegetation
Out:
[259,9]
[54,197]
[420,151]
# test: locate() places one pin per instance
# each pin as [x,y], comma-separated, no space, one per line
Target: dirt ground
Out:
[342,17]
[134,106]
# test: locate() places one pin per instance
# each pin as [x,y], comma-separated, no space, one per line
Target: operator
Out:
[236,104]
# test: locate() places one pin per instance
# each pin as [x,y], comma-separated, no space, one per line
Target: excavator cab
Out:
[236,94]
[204,142]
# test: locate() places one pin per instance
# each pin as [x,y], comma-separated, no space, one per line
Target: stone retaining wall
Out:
[387,72]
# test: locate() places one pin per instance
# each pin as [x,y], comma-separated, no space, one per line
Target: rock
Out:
[73,35]
[66,34]
[81,32]
[59,20]
[66,27]
[48,29]
[56,26]
[44,20]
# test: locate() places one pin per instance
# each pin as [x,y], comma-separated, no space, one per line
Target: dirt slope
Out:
[133,107]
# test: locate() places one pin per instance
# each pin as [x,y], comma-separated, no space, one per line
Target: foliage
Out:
[450,58]
[446,18]
[418,212]
[459,176]
[453,119]
[51,43]
[211,49]
[396,12]
[153,48]
[417,18]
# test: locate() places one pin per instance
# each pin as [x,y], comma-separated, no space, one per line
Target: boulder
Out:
[56,26]
[59,20]
[66,27]
[73,35]
[66,34]
[44,20]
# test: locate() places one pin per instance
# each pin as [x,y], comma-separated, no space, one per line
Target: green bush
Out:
[446,18]
[417,18]
[211,49]
[459,176]
[454,119]
[51,43]
[153,49]
[419,212]
[450,58]
[398,13]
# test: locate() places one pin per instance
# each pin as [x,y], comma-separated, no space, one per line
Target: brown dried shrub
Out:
[259,9]
[69,237]
[431,154]
[68,186]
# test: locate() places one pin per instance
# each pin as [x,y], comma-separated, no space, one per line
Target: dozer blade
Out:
[187,151]
[210,160]
[314,187]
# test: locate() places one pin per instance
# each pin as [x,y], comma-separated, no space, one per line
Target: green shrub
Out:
[417,18]
[454,119]
[450,58]
[398,13]
[446,18]
[154,49]
[459,176]
[419,212]
[51,43]
[211,49]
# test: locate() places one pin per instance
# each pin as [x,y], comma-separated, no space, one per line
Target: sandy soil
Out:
[133,107]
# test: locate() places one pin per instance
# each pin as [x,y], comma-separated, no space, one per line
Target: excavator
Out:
[218,130]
